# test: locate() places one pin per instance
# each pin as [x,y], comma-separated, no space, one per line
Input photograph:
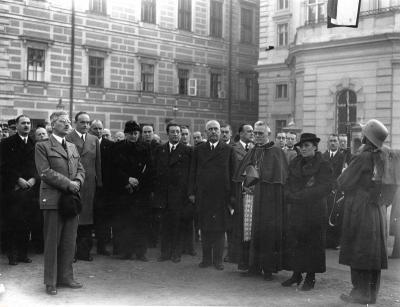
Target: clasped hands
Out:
[74,186]
[133,183]
[26,184]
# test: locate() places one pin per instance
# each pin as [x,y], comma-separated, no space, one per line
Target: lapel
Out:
[176,154]
[73,137]
[212,154]
[57,147]
[87,146]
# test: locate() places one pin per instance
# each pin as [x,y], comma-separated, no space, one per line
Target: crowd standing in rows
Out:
[278,204]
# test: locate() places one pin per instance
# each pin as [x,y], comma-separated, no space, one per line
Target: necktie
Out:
[247,147]
[83,139]
[172,149]
[212,147]
[25,140]
[331,155]
[64,145]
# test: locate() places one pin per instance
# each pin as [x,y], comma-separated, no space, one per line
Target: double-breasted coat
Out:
[211,175]
[363,242]
[309,183]
[89,152]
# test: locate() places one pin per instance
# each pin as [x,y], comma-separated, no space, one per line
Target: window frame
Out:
[283,85]
[183,89]
[147,86]
[317,4]
[97,68]
[35,71]
[246,30]
[215,84]
[285,34]
[149,11]
[216,21]
[185,15]
[247,93]
[285,5]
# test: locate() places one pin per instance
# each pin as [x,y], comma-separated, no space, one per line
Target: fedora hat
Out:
[308,137]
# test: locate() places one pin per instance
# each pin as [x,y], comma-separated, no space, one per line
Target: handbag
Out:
[69,205]
[252,176]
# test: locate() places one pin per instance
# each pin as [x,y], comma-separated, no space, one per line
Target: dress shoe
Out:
[85,258]
[308,284]
[354,300]
[176,259]
[204,265]
[51,290]
[295,279]
[192,253]
[219,266]
[12,261]
[250,273]
[72,284]
[163,258]
[142,258]
[25,260]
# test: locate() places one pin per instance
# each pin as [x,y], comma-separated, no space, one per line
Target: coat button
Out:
[44,200]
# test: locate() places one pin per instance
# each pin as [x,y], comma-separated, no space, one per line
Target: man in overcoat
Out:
[336,159]
[18,189]
[58,165]
[89,150]
[172,164]
[211,188]
[245,142]
[132,179]
[102,208]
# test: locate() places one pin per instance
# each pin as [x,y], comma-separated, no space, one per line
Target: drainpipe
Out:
[230,66]
[71,86]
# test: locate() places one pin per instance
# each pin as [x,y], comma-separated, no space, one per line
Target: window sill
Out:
[44,84]
[95,13]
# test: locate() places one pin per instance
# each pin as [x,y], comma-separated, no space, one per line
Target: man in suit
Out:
[60,171]
[280,139]
[210,187]
[197,138]
[185,136]
[226,134]
[172,164]
[132,179]
[290,150]
[102,209]
[89,150]
[245,142]
[337,160]
[18,189]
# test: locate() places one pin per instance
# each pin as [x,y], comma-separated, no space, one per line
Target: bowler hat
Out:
[308,137]
[131,126]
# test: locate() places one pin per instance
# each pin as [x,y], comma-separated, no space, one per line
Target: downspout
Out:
[230,66]
[71,86]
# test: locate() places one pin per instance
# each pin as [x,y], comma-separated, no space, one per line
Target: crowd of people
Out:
[277,205]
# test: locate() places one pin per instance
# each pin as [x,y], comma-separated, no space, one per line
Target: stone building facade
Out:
[327,79]
[148,60]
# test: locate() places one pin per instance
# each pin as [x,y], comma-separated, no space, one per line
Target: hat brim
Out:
[307,140]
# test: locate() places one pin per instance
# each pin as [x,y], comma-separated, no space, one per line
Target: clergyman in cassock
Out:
[210,187]
[260,211]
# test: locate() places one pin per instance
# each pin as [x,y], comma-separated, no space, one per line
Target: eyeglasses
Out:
[64,121]
[258,133]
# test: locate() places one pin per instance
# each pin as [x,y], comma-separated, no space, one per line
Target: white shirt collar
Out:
[100,139]
[58,138]
[243,143]
[333,152]
[215,144]
[80,135]
[23,138]
[172,145]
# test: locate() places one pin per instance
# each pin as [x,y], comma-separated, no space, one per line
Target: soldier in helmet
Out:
[363,245]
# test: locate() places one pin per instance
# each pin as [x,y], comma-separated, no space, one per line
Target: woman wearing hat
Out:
[309,183]
[363,242]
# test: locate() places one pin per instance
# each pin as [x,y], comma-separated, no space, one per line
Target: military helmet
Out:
[375,131]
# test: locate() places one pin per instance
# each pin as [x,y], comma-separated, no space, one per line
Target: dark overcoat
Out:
[211,176]
[89,152]
[363,242]
[172,176]
[18,161]
[337,162]
[309,183]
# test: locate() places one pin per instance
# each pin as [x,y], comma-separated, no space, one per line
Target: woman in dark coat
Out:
[309,183]
[363,242]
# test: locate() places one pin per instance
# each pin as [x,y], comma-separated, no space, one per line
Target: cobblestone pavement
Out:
[112,282]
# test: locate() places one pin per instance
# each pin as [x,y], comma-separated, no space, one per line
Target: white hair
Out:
[263,124]
[213,121]
[56,115]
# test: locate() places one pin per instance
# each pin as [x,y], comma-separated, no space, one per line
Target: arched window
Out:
[346,110]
